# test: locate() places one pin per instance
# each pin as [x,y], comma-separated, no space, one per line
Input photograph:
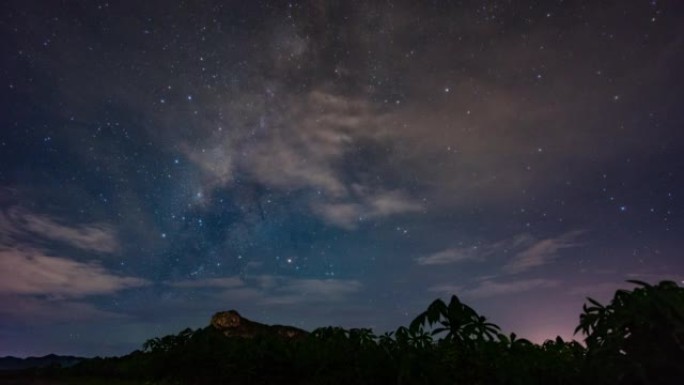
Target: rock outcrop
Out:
[232,324]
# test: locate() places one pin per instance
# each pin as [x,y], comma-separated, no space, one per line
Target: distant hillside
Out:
[14,363]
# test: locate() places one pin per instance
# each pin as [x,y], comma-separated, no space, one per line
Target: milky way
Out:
[331,163]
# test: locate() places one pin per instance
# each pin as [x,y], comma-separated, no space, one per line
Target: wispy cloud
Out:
[309,291]
[297,147]
[368,206]
[541,252]
[490,288]
[28,309]
[477,252]
[219,283]
[453,255]
[654,277]
[216,162]
[527,252]
[301,147]
[31,272]
[322,288]
[345,215]
[38,282]
[273,289]
[95,237]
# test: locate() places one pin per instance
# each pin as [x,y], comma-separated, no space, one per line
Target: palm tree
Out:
[363,337]
[386,342]
[420,339]
[460,322]
[481,330]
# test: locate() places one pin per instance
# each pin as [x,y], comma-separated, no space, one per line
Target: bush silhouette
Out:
[636,339]
[639,336]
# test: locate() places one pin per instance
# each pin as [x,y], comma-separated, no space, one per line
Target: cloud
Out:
[369,206]
[25,271]
[324,288]
[27,309]
[490,288]
[290,291]
[304,144]
[216,162]
[244,294]
[453,255]
[527,251]
[292,122]
[291,147]
[95,237]
[541,252]
[301,162]
[220,283]
[389,203]
[273,289]
[478,252]
[38,286]
[309,291]
[345,215]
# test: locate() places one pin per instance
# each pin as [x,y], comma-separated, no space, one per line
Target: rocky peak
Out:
[232,324]
[226,320]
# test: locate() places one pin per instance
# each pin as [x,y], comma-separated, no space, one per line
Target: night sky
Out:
[331,163]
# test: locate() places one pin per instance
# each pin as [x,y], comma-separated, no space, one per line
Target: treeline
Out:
[638,338]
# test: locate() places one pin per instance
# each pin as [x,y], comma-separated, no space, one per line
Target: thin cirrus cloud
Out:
[453,255]
[478,252]
[275,290]
[369,207]
[39,283]
[488,288]
[528,252]
[541,252]
[94,237]
[311,291]
[323,288]
[25,271]
[22,308]
[218,283]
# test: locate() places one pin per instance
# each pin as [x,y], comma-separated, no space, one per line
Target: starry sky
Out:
[324,163]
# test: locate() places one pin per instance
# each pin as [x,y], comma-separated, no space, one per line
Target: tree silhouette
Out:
[636,339]
[639,336]
[460,322]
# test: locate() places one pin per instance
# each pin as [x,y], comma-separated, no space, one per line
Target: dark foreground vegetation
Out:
[636,339]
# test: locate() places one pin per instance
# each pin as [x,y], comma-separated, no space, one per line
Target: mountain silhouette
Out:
[232,324]
[15,363]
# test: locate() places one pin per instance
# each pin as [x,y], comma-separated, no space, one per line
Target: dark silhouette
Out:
[14,363]
[639,336]
[636,339]
[233,325]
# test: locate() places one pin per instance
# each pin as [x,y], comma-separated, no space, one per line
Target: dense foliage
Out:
[638,338]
